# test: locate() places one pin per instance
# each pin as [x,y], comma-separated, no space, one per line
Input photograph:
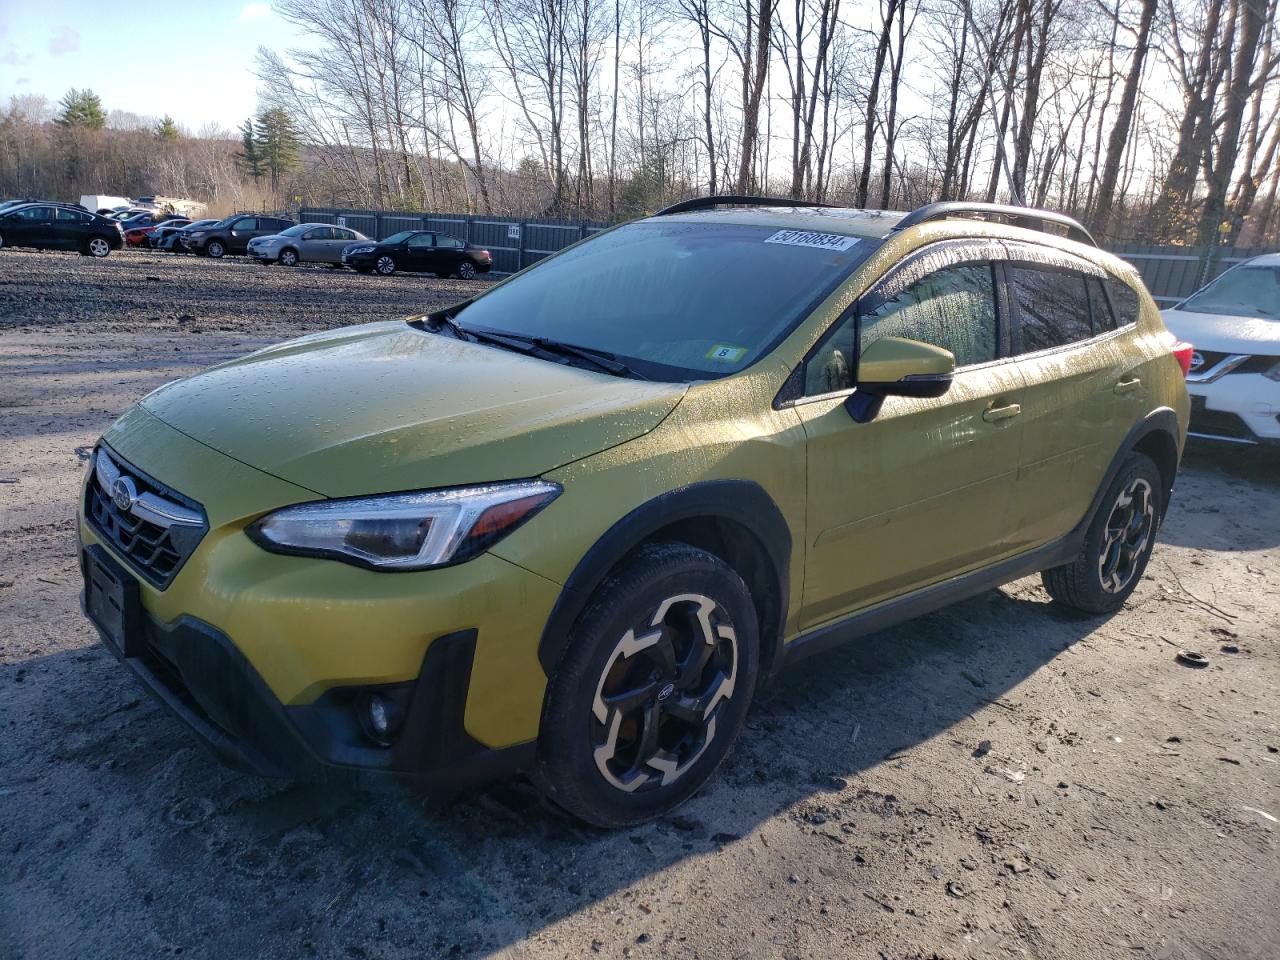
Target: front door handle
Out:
[1126,386]
[993,414]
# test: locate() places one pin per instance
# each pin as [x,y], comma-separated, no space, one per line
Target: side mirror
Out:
[896,367]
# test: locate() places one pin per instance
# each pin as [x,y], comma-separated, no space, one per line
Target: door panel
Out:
[1075,418]
[919,494]
[420,252]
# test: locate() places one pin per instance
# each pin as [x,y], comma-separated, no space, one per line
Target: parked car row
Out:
[51,225]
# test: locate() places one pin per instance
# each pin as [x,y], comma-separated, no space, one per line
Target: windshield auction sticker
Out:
[802,238]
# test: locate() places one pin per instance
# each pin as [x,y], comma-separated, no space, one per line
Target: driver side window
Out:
[953,308]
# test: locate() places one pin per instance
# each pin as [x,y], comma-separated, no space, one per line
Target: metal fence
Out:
[1173,273]
[514,242]
[1170,273]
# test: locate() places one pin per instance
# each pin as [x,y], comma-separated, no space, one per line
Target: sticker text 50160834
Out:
[803,238]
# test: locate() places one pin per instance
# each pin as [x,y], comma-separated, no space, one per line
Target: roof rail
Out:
[1028,217]
[724,200]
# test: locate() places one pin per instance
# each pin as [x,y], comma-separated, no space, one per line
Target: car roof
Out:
[850,221]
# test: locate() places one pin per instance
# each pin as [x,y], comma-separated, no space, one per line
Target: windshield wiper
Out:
[523,343]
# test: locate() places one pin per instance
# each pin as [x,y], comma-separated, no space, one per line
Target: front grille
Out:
[1209,360]
[154,548]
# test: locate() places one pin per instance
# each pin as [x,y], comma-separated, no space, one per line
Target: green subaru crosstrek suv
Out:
[570,525]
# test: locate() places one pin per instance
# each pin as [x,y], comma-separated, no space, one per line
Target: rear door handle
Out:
[1125,386]
[993,414]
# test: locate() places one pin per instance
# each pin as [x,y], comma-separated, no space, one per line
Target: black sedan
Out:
[47,226]
[421,251]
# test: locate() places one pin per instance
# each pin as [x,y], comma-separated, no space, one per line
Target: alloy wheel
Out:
[467,271]
[386,266]
[1127,534]
[99,247]
[660,693]
[289,258]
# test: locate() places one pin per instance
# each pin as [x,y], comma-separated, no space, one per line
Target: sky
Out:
[50,46]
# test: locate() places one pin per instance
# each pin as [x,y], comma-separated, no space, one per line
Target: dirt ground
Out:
[997,779]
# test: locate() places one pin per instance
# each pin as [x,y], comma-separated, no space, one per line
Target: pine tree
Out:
[249,158]
[81,108]
[278,143]
[167,130]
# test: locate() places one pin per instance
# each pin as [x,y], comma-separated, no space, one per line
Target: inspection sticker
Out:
[803,238]
[726,354]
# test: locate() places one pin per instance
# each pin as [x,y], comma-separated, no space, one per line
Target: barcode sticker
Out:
[803,238]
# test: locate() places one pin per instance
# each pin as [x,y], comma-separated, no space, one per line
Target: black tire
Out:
[692,695]
[467,270]
[97,247]
[386,265]
[1117,545]
[216,249]
[288,257]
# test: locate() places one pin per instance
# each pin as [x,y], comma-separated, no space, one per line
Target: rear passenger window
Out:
[1124,301]
[953,308]
[1099,308]
[1053,307]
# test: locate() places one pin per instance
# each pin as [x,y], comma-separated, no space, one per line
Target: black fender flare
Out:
[1162,420]
[742,502]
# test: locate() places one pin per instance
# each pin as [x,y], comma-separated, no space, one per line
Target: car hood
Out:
[271,238]
[1225,334]
[387,407]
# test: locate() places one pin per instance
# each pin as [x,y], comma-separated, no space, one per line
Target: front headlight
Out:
[351,250]
[198,233]
[404,531]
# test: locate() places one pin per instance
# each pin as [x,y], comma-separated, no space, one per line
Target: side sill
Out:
[928,599]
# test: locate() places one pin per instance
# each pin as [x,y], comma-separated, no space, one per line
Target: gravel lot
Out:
[997,779]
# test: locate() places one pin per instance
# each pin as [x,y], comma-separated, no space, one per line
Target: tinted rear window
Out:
[1124,301]
[1053,307]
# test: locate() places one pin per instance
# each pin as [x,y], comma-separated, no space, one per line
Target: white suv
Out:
[1234,381]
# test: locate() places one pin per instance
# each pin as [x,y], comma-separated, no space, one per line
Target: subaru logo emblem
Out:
[124,494]
[1197,360]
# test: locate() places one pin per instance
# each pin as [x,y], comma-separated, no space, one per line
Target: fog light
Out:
[380,718]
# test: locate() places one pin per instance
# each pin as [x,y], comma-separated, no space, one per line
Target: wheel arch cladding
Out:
[735,520]
[1156,437]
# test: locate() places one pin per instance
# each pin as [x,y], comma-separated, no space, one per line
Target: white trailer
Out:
[98,202]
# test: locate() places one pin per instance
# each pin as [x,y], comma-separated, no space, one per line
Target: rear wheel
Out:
[97,247]
[467,270]
[1117,545]
[385,265]
[653,690]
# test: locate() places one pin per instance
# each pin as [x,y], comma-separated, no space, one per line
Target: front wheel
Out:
[653,689]
[1117,545]
[467,270]
[385,266]
[215,249]
[288,258]
[98,247]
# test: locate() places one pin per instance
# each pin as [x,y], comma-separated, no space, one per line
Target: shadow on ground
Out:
[206,861]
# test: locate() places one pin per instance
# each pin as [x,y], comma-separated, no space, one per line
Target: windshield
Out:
[676,300]
[1243,292]
[299,230]
[400,237]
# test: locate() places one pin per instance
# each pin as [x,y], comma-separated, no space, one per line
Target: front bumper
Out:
[1237,408]
[195,671]
[309,632]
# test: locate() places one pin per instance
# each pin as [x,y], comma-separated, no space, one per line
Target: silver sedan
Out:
[307,242]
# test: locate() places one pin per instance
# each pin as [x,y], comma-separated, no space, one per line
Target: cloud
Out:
[12,58]
[64,40]
[255,11]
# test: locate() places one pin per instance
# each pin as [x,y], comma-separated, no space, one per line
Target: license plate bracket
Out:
[111,600]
